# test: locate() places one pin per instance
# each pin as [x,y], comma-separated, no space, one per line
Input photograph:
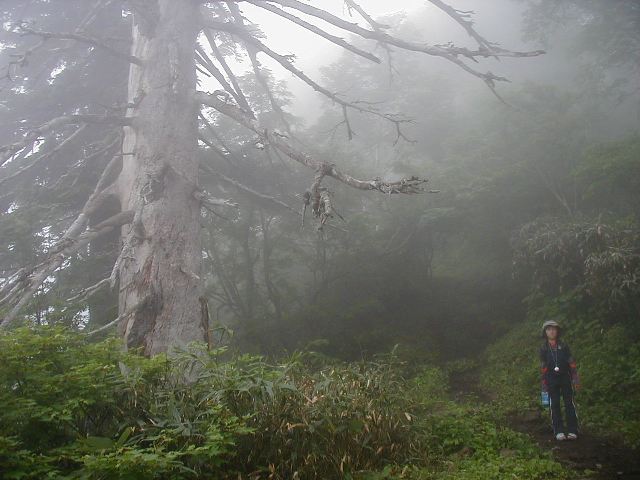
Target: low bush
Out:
[82,410]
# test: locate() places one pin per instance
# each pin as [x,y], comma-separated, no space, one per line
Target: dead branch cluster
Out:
[7,152]
[280,142]
[246,34]
[21,286]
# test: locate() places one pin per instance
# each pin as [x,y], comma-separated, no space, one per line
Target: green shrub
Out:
[93,411]
[77,410]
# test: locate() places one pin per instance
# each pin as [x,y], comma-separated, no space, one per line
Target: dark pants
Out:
[565,391]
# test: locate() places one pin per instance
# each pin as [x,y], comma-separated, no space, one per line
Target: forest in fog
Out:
[293,239]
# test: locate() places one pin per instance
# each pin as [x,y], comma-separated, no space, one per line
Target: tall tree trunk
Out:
[159,268]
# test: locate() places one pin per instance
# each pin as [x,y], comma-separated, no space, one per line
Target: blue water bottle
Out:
[544,399]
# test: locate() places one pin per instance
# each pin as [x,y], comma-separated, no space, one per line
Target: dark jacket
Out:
[560,357]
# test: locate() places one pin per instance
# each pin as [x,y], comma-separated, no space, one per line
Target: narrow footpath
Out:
[608,459]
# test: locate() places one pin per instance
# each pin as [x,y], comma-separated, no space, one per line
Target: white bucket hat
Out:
[549,323]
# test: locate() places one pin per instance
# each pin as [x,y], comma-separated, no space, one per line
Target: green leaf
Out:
[98,443]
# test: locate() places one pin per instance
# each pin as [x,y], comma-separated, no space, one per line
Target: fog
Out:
[286,239]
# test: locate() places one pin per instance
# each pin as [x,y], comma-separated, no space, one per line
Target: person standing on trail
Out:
[559,379]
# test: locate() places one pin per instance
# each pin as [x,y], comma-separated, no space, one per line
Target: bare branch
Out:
[106,327]
[116,321]
[209,202]
[265,85]
[202,71]
[88,292]
[82,38]
[448,52]
[12,283]
[220,140]
[22,59]
[40,158]
[91,15]
[318,31]
[8,151]
[106,147]
[206,62]
[380,36]
[407,185]
[63,249]
[249,190]
[345,115]
[71,241]
[242,100]
[252,52]
[260,196]
[285,62]
[378,27]
[463,19]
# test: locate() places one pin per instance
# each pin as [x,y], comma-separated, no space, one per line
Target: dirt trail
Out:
[608,459]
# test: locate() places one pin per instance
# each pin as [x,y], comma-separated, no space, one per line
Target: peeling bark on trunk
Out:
[159,267]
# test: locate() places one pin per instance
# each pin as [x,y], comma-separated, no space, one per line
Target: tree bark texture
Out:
[159,267]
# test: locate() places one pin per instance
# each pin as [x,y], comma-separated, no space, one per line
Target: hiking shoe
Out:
[572,436]
[560,437]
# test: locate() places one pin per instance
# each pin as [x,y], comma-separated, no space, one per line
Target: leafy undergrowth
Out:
[608,357]
[78,410]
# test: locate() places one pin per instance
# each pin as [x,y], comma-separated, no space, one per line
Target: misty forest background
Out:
[331,350]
